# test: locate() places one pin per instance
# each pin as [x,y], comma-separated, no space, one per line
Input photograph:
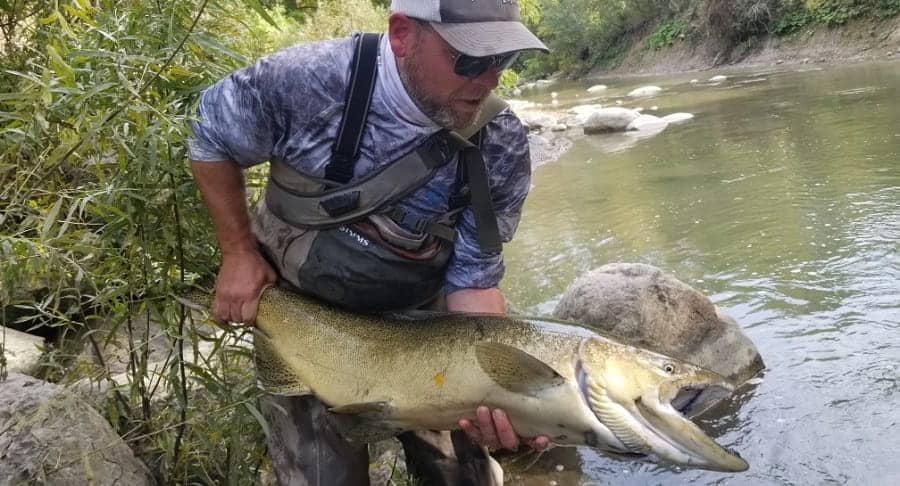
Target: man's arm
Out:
[477,301]
[244,272]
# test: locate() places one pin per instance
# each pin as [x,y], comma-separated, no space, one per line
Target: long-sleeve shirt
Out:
[288,107]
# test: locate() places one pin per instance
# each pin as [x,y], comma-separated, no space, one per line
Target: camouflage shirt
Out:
[288,106]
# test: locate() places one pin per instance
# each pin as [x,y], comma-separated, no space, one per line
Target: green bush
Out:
[792,20]
[838,12]
[666,34]
[100,221]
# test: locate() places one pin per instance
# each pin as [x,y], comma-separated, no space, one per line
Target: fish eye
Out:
[669,368]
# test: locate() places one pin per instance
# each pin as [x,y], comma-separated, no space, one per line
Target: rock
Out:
[718,79]
[21,350]
[49,436]
[646,122]
[644,306]
[583,112]
[678,117]
[559,127]
[536,121]
[606,120]
[644,91]
[597,88]
[546,149]
[780,61]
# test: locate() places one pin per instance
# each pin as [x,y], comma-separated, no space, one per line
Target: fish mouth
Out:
[672,436]
[692,400]
[656,423]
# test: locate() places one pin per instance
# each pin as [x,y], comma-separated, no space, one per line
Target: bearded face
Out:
[450,100]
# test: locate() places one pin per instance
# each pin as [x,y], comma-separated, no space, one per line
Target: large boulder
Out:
[49,436]
[22,351]
[646,307]
[607,120]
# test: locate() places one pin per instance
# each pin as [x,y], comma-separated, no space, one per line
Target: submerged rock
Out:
[646,122]
[597,88]
[678,117]
[718,79]
[49,436]
[612,119]
[646,307]
[645,91]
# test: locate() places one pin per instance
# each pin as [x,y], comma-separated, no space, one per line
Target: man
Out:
[436,67]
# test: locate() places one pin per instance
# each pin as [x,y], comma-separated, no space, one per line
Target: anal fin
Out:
[365,422]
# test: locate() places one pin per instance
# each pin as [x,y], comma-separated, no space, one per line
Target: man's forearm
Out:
[222,186]
[480,301]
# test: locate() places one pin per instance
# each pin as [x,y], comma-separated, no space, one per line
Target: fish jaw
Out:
[631,390]
[679,440]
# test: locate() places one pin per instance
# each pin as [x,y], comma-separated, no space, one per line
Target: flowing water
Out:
[781,201]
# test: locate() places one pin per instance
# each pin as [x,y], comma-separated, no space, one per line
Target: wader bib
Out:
[347,243]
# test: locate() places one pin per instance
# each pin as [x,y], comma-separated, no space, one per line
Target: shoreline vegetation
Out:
[101,225]
[656,37]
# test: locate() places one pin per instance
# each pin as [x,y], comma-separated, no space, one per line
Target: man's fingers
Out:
[539,443]
[505,433]
[248,312]
[486,426]
[471,431]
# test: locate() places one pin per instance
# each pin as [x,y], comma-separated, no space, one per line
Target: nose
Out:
[489,79]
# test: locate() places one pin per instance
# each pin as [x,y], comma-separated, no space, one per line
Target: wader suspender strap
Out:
[357,100]
[346,203]
[476,173]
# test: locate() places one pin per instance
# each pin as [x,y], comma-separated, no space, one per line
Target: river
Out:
[781,201]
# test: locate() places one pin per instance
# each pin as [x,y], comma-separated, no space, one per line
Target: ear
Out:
[402,33]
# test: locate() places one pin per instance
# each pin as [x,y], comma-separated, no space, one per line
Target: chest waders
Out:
[347,243]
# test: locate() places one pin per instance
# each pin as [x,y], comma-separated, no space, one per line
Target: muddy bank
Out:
[863,40]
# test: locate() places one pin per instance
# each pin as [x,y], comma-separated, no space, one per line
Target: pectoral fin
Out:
[273,375]
[514,369]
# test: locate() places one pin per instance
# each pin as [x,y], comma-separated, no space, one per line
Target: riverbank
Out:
[857,41]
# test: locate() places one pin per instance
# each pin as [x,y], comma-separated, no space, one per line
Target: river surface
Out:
[781,201]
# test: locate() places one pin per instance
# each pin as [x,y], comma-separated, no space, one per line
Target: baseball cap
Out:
[474,27]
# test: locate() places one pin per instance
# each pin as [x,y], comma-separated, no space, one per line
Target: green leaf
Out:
[258,7]
[51,218]
[59,65]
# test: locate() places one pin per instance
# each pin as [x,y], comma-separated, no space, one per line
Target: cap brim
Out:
[488,38]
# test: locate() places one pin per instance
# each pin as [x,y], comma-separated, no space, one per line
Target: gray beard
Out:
[439,113]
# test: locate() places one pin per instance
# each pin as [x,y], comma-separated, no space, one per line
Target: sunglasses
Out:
[472,67]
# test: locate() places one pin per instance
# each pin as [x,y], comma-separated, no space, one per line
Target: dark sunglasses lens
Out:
[472,67]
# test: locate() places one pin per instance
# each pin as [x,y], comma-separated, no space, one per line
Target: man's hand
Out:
[241,280]
[494,431]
